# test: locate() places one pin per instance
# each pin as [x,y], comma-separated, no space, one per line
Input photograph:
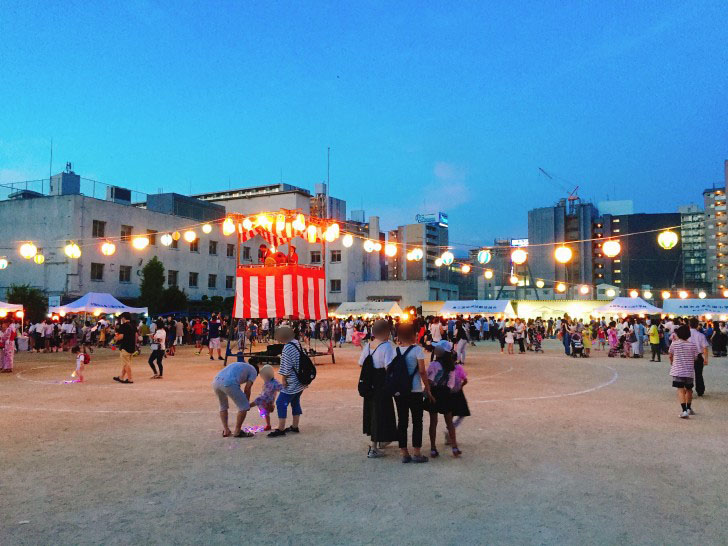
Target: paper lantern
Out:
[311,233]
[647,295]
[409,257]
[369,245]
[335,229]
[3,263]
[702,295]
[28,250]
[519,256]
[667,239]
[347,240]
[484,256]
[611,292]
[176,236]
[583,290]
[465,269]
[228,226]
[390,250]
[206,228]
[417,254]
[563,254]
[19,314]
[513,279]
[141,242]
[682,294]
[329,236]
[438,262]
[280,222]
[108,248]
[299,224]
[97,312]
[665,295]
[39,258]
[633,293]
[377,246]
[447,257]
[611,248]
[540,283]
[247,224]
[190,236]
[72,250]
[3,313]
[488,274]
[561,287]
[166,239]
[725,292]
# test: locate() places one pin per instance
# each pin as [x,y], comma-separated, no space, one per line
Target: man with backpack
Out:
[297,372]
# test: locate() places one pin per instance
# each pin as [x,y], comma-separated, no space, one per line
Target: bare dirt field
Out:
[558,450]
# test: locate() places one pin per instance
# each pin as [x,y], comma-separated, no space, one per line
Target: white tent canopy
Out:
[96,301]
[362,308]
[10,307]
[478,307]
[629,306]
[696,307]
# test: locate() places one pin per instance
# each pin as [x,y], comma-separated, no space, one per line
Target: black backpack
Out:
[366,376]
[398,380]
[306,371]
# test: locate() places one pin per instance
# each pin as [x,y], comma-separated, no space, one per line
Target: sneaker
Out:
[266,428]
[374,453]
[212,358]
[419,459]
[406,459]
[684,414]
[690,411]
[293,429]
[277,432]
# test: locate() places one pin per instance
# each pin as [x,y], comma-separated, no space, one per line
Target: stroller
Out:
[577,346]
[618,351]
[537,339]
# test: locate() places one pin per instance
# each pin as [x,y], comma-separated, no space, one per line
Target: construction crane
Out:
[572,196]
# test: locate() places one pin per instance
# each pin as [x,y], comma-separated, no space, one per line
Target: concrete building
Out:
[430,234]
[406,293]
[692,230]
[327,208]
[716,238]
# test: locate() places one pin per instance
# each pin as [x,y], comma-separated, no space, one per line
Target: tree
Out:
[152,286]
[173,299]
[34,300]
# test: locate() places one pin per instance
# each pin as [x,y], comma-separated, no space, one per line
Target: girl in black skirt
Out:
[441,374]
[379,422]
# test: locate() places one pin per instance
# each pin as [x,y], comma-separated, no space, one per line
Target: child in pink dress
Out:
[266,401]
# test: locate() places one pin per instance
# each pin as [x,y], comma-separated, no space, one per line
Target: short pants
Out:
[214,343]
[233,391]
[282,404]
[682,382]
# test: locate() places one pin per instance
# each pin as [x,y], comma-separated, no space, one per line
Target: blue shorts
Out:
[282,404]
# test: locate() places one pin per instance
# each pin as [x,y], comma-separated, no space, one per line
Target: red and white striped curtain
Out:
[288,291]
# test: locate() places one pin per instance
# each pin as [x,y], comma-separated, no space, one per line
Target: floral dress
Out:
[8,354]
[266,401]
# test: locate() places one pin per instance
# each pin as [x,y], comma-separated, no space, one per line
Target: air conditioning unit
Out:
[118,195]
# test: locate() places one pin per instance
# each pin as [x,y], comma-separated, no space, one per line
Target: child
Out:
[266,401]
[601,338]
[81,360]
[439,373]
[682,369]
[587,340]
[509,339]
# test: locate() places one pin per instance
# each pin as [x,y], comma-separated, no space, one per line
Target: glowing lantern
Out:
[62,314]
[108,248]
[329,236]
[28,250]
[140,243]
[39,258]
[97,312]
[369,245]
[611,293]
[190,236]
[725,292]
[484,256]
[519,256]
[228,226]
[667,239]
[488,274]
[347,240]
[682,294]
[633,293]
[3,313]
[708,316]
[166,239]
[702,295]
[540,283]
[513,279]
[447,257]
[206,228]
[262,220]
[311,232]
[299,224]
[583,290]
[390,249]
[665,295]
[409,257]
[417,254]
[3,263]
[563,254]
[438,262]
[465,269]
[280,222]
[335,229]
[72,250]
[647,295]
[561,287]
[611,248]
[247,224]
[19,314]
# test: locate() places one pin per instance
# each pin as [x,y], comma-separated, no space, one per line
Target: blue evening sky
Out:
[427,106]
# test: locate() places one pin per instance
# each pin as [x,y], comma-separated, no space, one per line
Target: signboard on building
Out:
[432,218]
[519,242]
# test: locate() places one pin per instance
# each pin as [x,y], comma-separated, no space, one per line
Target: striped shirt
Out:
[683,358]
[290,362]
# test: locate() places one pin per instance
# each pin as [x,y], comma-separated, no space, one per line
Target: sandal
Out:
[244,434]
[456,452]
[226,434]
[434,453]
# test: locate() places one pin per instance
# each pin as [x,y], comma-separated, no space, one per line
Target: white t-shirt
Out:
[382,354]
[435,331]
[415,354]
[160,336]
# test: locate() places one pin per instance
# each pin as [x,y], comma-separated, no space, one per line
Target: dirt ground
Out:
[558,450]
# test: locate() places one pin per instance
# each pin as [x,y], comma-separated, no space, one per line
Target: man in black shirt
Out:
[126,342]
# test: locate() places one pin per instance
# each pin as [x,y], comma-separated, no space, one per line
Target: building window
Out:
[193,280]
[335,256]
[175,244]
[172,277]
[212,281]
[229,282]
[126,232]
[246,253]
[98,228]
[213,248]
[124,273]
[315,256]
[195,246]
[230,250]
[152,235]
[335,285]
[97,272]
